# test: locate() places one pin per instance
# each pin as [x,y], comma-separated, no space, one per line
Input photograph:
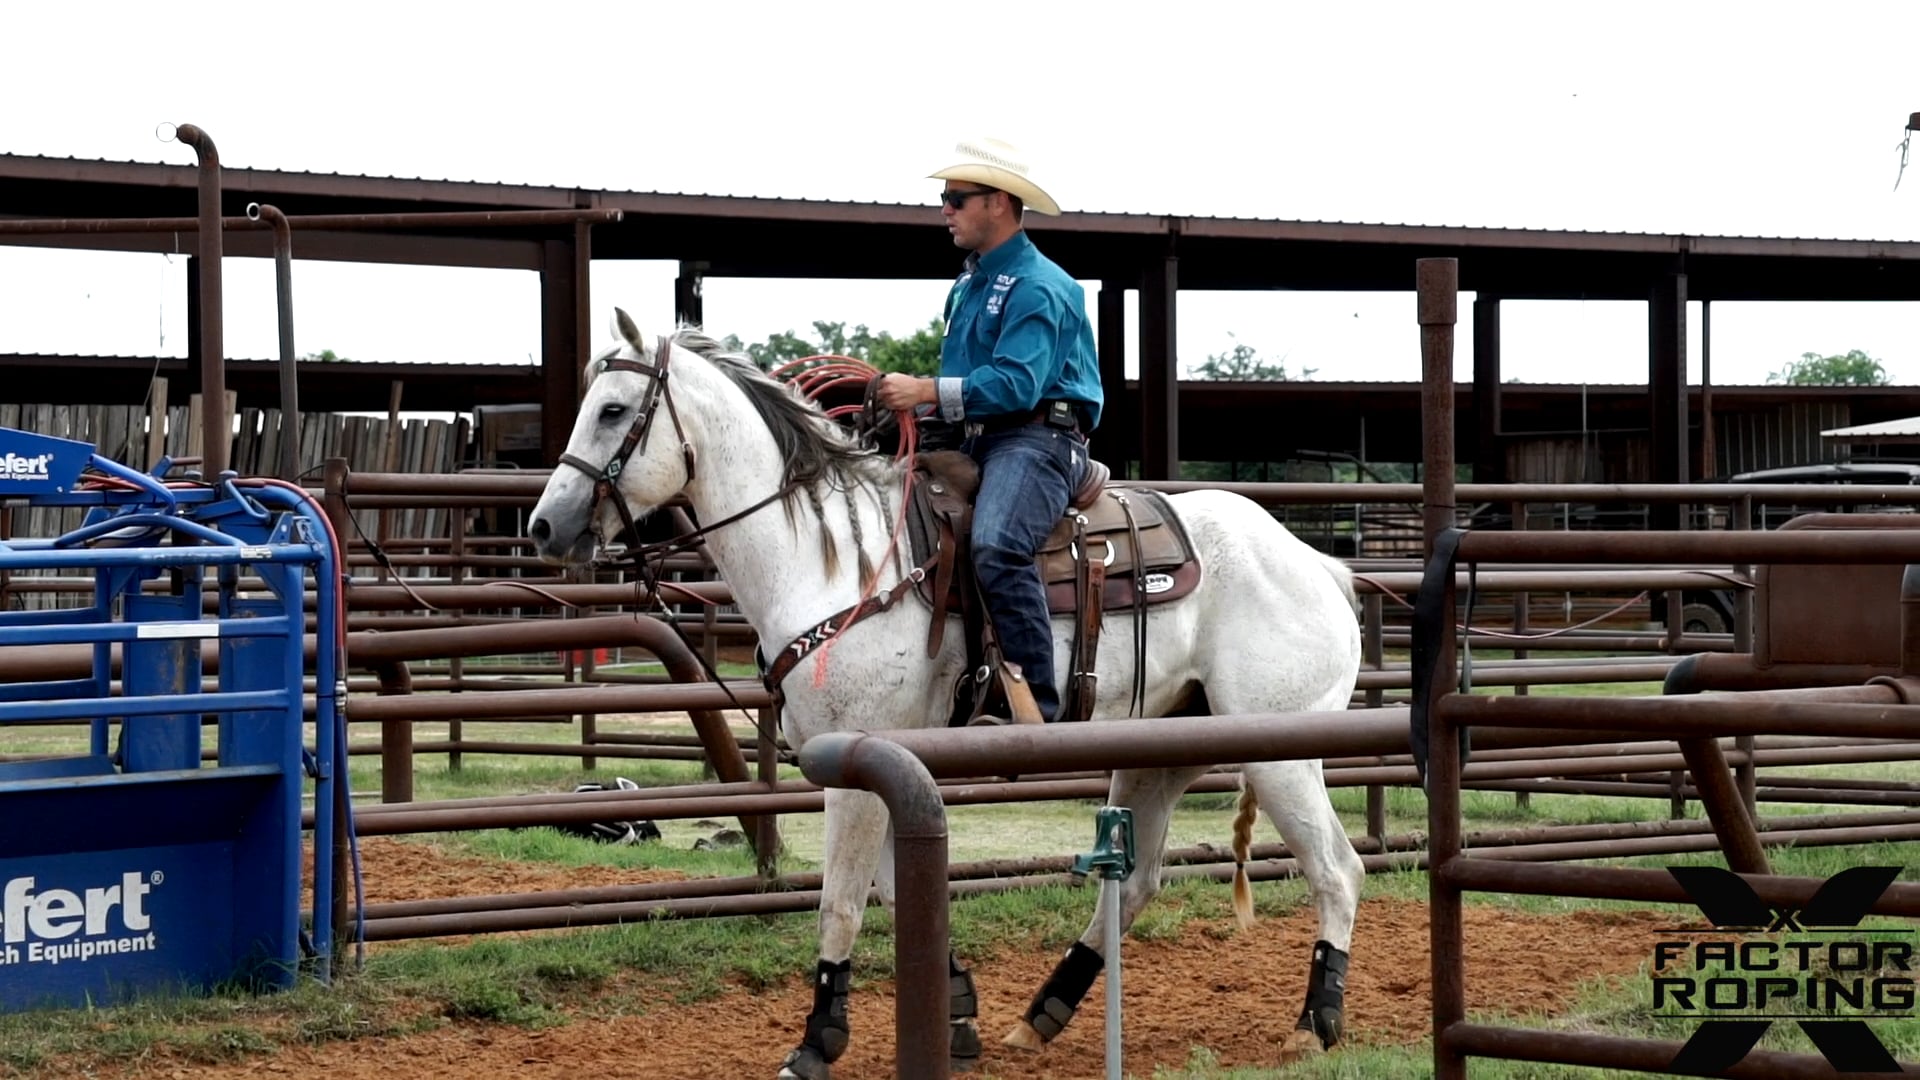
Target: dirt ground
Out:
[1236,993]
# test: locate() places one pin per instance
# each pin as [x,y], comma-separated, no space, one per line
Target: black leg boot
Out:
[1060,996]
[963,1048]
[826,1037]
[1326,995]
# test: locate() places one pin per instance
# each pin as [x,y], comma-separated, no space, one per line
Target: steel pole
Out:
[289,364]
[217,428]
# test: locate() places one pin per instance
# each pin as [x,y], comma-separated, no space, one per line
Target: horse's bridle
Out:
[606,478]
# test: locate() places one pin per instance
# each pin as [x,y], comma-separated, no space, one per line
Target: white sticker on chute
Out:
[253,553]
[178,630]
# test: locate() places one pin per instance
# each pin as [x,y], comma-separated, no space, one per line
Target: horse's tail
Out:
[1242,850]
[1343,576]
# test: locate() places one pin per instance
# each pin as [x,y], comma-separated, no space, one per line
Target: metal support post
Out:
[1112,859]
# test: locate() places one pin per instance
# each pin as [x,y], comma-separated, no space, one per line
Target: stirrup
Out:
[1020,703]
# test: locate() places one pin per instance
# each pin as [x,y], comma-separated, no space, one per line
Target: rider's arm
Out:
[1026,359]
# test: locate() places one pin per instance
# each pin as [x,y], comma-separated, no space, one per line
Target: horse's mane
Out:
[814,447]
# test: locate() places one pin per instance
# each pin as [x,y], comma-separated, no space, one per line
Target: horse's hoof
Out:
[963,1046]
[1300,1044]
[1024,1037]
[805,1063]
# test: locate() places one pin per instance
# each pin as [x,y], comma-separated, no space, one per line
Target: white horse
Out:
[1270,628]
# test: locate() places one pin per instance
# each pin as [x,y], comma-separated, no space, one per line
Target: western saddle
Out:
[1115,549]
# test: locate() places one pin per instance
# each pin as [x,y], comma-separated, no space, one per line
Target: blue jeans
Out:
[1027,474]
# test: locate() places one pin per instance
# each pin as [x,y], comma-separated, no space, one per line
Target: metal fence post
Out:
[1112,859]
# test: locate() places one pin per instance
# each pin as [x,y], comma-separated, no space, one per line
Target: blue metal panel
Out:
[166,875]
[45,617]
[152,705]
[259,737]
[103,925]
[44,691]
[88,765]
[127,810]
[156,666]
[129,631]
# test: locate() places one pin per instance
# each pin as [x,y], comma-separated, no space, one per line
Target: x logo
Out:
[1729,902]
[1783,920]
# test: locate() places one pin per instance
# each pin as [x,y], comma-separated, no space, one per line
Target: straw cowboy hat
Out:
[999,165]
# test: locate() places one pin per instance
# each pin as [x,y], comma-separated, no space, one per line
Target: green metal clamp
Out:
[1112,854]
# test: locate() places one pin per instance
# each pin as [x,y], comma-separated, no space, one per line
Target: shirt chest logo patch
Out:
[997,294]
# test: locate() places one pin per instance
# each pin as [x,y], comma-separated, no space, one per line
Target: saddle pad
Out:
[1163,545]
[1167,568]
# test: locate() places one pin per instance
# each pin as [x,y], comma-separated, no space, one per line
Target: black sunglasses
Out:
[958,199]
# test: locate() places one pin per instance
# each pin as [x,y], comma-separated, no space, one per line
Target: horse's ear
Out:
[624,328]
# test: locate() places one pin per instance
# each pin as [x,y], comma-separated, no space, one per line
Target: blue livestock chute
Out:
[136,868]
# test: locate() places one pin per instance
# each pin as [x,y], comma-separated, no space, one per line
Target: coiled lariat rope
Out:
[813,377]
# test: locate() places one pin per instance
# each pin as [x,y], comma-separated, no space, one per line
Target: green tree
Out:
[1242,364]
[1855,368]
[916,354]
[324,356]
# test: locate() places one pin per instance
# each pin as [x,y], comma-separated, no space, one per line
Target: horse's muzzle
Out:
[556,549]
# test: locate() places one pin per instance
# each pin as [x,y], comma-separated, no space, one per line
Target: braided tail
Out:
[1242,849]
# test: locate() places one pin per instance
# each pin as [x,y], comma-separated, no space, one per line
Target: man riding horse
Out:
[1247,618]
[1018,370]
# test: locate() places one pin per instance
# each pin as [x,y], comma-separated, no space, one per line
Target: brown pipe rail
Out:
[598,698]
[1295,493]
[1527,838]
[1696,722]
[346,492]
[1340,771]
[1583,641]
[714,897]
[1839,794]
[1493,582]
[525,485]
[532,481]
[598,748]
[1171,742]
[529,483]
[709,800]
[373,649]
[427,219]
[1822,547]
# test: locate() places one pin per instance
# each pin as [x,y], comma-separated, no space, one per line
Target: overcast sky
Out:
[1696,117]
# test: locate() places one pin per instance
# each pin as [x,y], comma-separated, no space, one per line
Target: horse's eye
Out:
[613,412]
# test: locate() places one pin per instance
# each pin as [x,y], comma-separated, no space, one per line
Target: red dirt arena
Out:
[1207,988]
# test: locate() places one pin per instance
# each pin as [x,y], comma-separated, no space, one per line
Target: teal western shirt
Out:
[1017,334]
